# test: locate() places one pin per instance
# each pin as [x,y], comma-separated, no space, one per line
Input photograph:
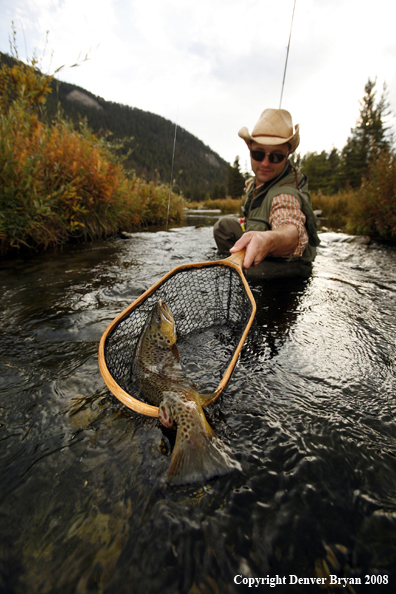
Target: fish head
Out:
[161,326]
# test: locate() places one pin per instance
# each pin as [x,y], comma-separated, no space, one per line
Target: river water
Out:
[309,414]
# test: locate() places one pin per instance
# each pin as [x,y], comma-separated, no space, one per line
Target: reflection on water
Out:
[309,414]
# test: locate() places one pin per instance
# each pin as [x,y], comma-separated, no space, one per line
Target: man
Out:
[280,222]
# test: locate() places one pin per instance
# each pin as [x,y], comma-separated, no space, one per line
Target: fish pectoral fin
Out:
[176,353]
[204,399]
[198,454]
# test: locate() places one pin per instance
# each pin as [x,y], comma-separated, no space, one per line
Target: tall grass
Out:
[58,183]
[226,205]
[369,210]
[335,208]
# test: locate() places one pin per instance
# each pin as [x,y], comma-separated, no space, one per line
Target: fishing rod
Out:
[171,177]
[287,55]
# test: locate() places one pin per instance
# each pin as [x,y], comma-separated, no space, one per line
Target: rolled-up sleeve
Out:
[285,210]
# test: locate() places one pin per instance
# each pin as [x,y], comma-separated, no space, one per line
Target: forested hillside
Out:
[148,136]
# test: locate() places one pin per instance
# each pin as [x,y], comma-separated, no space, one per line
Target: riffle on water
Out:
[309,414]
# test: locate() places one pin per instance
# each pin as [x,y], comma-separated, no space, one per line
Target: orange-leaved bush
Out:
[58,183]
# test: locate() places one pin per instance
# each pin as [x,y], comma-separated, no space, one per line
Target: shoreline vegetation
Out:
[368,210]
[60,183]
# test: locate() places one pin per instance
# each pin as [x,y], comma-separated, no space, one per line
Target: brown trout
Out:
[198,454]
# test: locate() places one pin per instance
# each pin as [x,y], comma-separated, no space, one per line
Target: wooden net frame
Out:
[201,296]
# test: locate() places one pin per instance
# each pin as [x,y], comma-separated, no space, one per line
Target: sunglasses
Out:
[272,157]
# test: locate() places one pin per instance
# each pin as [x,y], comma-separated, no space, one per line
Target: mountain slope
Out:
[197,168]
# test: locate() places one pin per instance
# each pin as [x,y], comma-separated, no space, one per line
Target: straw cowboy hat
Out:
[275,126]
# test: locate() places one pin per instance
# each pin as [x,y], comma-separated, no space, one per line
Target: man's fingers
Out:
[241,243]
[250,256]
[257,247]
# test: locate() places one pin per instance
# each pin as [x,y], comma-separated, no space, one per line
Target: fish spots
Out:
[156,367]
[164,416]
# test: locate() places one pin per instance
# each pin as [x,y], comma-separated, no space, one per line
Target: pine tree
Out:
[323,171]
[235,180]
[369,135]
[218,192]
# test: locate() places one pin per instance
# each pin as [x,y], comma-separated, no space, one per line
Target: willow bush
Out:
[59,183]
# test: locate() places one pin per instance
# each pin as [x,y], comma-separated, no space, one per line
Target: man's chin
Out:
[264,177]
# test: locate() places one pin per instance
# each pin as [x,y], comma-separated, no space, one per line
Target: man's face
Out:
[264,170]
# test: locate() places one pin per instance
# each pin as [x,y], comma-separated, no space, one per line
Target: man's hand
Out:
[259,244]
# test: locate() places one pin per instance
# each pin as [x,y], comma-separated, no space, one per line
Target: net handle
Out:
[237,258]
[235,261]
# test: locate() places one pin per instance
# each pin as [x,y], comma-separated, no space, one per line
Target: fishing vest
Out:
[257,208]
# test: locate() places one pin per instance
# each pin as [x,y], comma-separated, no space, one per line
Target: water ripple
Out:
[309,413]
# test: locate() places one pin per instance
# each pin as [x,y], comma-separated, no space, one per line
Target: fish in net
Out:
[213,309]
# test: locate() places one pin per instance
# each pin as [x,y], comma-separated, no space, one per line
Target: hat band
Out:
[272,136]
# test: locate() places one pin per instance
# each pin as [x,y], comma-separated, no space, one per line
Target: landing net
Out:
[213,309]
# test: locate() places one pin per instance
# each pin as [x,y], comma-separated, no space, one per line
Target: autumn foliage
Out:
[59,183]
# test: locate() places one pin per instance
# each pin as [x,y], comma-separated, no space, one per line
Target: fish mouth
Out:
[165,311]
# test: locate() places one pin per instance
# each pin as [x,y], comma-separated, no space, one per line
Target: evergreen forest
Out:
[337,170]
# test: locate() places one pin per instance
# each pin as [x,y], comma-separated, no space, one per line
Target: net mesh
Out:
[211,309]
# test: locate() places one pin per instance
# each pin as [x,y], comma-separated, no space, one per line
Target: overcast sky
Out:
[214,65]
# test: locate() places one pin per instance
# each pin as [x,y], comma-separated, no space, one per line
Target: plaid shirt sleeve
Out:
[285,209]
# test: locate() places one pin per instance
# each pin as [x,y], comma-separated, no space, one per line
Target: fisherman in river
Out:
[279,220]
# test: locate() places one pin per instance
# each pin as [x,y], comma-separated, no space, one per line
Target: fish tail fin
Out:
[198,454]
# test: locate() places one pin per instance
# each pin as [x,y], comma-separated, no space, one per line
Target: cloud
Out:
[215,65]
